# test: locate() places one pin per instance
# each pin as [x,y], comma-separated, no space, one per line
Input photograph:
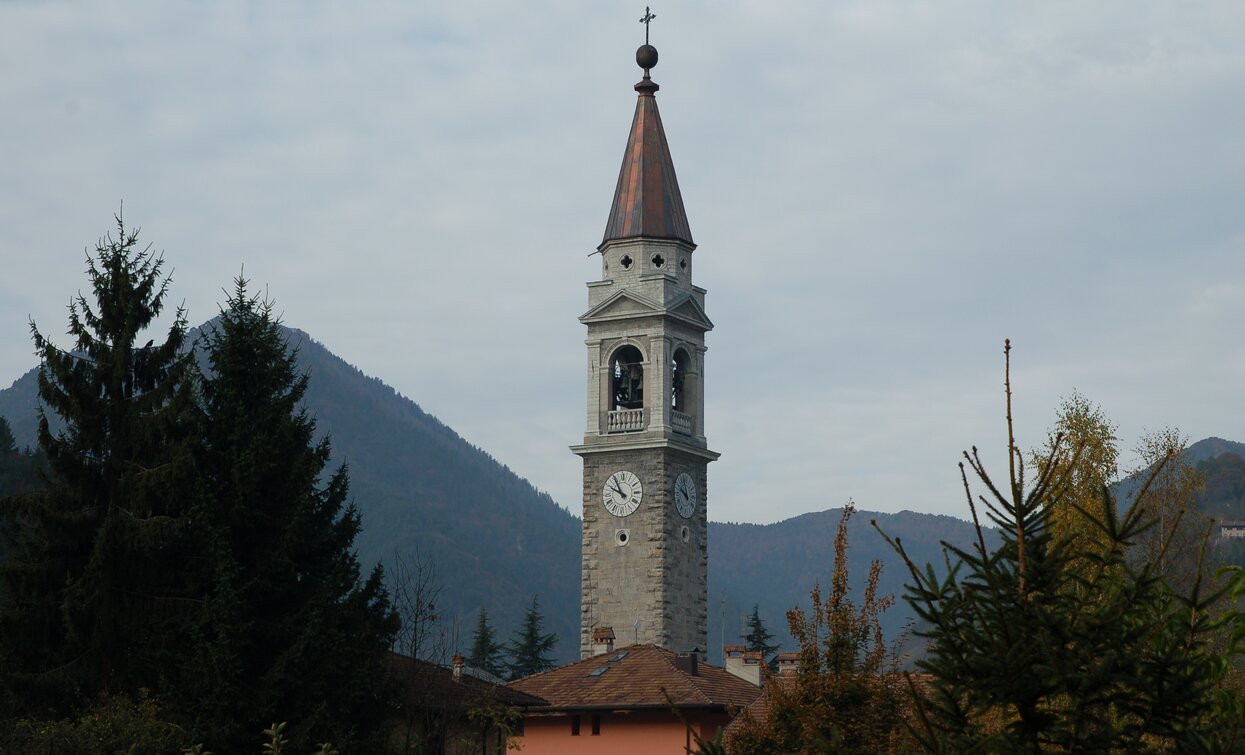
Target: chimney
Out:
[688,662]
[458,667]
[788,664]
[744,664]
[602,640]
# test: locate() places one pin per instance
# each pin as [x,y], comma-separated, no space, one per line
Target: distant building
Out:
[1230,529]
[438,709]
[635,699]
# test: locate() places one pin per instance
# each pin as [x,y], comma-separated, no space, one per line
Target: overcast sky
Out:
[881,192]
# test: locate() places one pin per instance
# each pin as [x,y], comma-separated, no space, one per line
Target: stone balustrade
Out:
[625,421]
[682,423]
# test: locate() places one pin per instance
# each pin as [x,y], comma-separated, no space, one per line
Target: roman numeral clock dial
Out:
[622,493]
[685,495]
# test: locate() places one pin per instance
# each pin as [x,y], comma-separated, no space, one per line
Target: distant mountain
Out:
[493,539]
[775,566]
[1224,494]
[1222,462]
[17,405]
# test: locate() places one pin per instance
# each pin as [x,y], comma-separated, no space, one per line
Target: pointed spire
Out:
[647,202]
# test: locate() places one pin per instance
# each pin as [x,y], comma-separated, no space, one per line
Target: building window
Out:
[596,725]
[574,726]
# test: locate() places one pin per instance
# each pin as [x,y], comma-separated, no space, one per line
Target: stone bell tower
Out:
[645,555]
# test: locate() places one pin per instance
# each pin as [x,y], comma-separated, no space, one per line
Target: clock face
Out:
[622,493]
[685,495]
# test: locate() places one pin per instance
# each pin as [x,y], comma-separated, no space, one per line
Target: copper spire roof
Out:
[647,202]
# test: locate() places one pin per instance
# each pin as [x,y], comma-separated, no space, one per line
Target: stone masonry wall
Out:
[656,577]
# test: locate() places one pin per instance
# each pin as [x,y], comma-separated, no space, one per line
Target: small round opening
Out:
[621,537]
[658,260]
[626,261]
[683,264]
[684,533]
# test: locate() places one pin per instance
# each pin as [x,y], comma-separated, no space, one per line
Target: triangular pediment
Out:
[628,304]
[624,304]
[687,308]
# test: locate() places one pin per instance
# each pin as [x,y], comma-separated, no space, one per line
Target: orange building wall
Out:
[643,732]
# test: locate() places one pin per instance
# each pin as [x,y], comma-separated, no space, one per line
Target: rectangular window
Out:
[574,726]
[596,725]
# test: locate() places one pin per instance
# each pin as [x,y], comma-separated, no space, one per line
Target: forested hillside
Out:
[775,566]
[1222,462]
[494,541]
[426,494]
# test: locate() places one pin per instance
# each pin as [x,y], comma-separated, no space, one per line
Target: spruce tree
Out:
[486,652]
[529,646]
[1050,641]
[289,632]
[757,638]
[19,471]
[99,584]
[8,444]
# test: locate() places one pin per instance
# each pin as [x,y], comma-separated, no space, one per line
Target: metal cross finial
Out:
[648,16]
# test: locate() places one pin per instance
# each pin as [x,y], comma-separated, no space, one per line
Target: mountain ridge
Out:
[493,540]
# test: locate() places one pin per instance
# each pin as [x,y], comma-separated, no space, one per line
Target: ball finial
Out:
[646,56]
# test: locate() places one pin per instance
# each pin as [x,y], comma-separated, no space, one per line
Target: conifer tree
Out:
[1053,643]
[19,470]
[529,646]
[757,638]
[289,632]
[8,444]
[486,652]
[99,583]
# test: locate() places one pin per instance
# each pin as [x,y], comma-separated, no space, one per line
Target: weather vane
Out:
[648,16]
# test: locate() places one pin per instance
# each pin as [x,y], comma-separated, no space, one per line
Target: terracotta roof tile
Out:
[426,684]
[758,710]
[634,677]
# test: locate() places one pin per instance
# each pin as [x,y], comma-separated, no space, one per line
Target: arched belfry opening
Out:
[683,396]
[678,381]
[627,379]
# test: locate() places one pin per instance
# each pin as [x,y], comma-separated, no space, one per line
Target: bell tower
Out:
[645,554]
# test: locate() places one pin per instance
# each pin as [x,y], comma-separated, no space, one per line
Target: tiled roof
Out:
[426,685]
[634,677]
[647,202]
[758,710]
